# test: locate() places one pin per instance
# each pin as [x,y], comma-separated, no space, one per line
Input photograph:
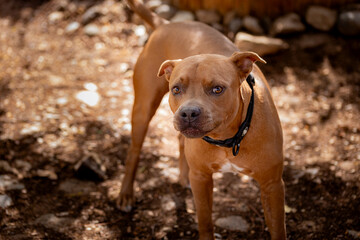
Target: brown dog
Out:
[213,107]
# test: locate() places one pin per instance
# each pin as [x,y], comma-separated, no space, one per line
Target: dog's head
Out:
[205,90]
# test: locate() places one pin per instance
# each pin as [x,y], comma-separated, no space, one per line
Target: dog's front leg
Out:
[272,199]
[202,188]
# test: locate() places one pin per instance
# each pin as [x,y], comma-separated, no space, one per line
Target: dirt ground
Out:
[65,99]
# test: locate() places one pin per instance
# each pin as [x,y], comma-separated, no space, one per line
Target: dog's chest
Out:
[230,167]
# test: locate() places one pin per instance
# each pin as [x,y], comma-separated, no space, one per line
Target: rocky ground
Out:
[65,101]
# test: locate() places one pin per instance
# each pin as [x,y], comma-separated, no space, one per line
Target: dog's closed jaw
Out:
[191,121]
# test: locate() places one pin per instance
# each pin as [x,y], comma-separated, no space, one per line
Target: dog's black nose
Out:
[189,114]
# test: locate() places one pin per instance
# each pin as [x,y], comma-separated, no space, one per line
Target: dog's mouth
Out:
[193,132]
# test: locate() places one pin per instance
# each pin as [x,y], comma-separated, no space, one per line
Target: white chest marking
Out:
[230,167]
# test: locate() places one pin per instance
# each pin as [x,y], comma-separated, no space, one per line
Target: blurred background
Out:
[66,99]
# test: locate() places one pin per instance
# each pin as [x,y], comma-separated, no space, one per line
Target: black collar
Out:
[234,142]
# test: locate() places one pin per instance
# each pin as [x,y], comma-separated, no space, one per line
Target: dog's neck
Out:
[242,127]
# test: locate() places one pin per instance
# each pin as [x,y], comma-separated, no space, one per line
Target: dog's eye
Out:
[175,90]
[217,90]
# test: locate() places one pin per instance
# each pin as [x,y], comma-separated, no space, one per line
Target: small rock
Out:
[235,25]
[354,234]
[182,16]
[308,41]
[72,27]
[311,118]
[91,30]
[47,174]
[168,203]
[5,201]
[55,17]
[289,23]
[91,14]
[7,183]
[55,80]
[252,25]
[349,23]
[233,223]
[51,221]
[260,44]
[165,11]
[91,168]
[348,165]
[153,4]
[208,16]
[25,166]
[74,186]
[321,18]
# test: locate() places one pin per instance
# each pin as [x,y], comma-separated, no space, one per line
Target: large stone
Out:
[321,18]
[182,16]
[233,223]
[260,44]
[290,23]
[208,16]
[252,25]
[349,23]
[165,11]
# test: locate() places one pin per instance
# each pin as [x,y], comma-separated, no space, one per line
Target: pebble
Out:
[208,16]
[260,44]
[45,173]
[72,27]
[354,234]
[55,17]
[49,220]
[182,16]
[5,201]
[55,80]
[165,11]
[290,23]
[168,203]
[74,186]
[91,14]
[233,223]
[91,30]
[8,183]
[252,25]
[321,18]
[349,23]
[153,4]
[308,41]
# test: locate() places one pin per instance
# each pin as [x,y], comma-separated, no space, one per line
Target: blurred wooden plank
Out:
[258,8]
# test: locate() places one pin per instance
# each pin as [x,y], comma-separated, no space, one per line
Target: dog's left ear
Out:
[167,68]
[244,61]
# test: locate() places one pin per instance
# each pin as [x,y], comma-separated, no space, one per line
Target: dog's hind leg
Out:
[149,91]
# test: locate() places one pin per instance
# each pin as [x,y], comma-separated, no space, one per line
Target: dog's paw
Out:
[125,203]
[184,182]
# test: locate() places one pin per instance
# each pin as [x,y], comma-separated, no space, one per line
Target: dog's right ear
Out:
[167,68]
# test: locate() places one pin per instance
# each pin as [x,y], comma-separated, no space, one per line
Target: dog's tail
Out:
[151,18]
